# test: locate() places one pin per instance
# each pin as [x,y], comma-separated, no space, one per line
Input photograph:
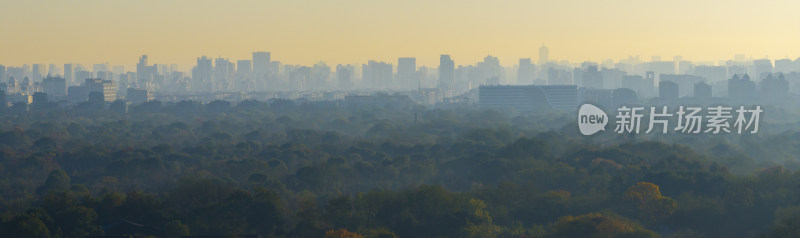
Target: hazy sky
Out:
[354,31]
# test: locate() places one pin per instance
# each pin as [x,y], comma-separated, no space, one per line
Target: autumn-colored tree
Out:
[651,204]
[342,233]
[598,225]
[643,192]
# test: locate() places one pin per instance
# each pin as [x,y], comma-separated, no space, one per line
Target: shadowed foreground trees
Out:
[307,170]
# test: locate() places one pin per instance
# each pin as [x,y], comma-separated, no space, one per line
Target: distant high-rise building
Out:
[649,84]
[106,87]
[100,67]
[26,69]
[320,74]
[525,71]
[376,75]
[14,72]
[543,55]
[3,78]
[299,78]
[122,85]
[660,67]
[3,102]
[490,71]
[145,74]
[623,96]
[702,90]
[775,88]
[178,82]
[202,75]
[633,82]
[592,78]
[244,72]
[559,77]
[407,77]
[784,66]
[80,76]
[54,86]
[261,69]
[668,91]
[684,66]
[68,74]
[612,78]
[223,75]
[741,88]
[54,70]
[132,77]
[105,75]
[344,76]
[711,73]
[38,73]
[762,67]
[118,69]
[446,72]
[600,97]
[734,69]
[685,82]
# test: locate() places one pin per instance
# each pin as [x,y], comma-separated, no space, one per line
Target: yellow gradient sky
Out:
[354,31]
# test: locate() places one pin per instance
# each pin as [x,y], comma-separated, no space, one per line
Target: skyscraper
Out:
[54,70]
[649,84]
[344,76]
[145,73]
[244,71]
[490,71]
[525,71]
[446,72]
[407,73]
[702,90]
[543,55]
[762,67]
[100,67]
[668,91]
[54,86]
[106,87]
[320,73]
[376,75]
[38,73]
[261,66]
[82,75]
[740,89]
[68,74]
[775,88]
[592,78]
[223,75]
[202,75]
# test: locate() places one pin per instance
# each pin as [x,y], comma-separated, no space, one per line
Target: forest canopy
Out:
[315,169]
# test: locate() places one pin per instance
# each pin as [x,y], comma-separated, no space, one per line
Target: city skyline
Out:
[504,62]
[353,32]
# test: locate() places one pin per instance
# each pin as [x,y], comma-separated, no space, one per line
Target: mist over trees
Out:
[316,169]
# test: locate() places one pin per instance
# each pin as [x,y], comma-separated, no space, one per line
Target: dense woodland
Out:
[319,169]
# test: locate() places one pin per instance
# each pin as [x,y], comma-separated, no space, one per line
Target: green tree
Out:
[25,226]
[58,180]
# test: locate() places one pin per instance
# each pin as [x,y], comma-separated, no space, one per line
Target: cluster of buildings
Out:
[527,85]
